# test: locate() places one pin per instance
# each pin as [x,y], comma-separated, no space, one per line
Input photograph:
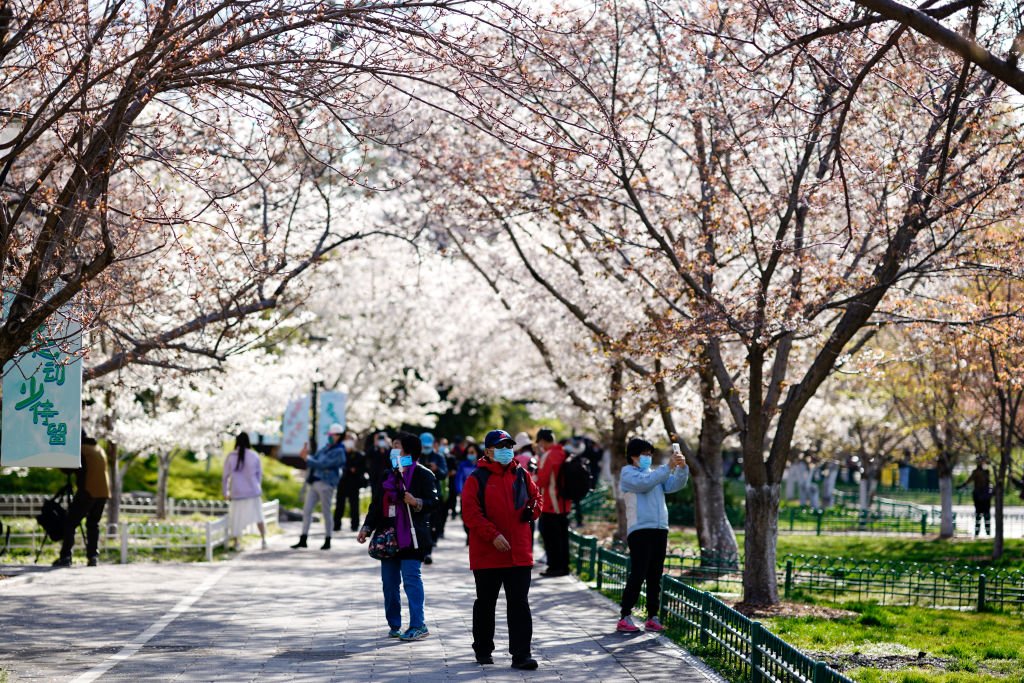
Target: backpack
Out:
[53,517]
[574,480]
[520,492]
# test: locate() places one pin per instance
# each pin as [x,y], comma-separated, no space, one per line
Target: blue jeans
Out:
[392,574]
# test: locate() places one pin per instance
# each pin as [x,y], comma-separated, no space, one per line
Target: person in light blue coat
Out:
[643,490]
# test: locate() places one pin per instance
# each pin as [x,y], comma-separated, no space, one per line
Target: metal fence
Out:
[715,631]
[135,538]
[904,583]
[834,578]
[30,504]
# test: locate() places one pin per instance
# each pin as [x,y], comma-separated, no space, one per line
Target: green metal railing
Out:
[716,631]
[598,505]
[904,583]
[840,520]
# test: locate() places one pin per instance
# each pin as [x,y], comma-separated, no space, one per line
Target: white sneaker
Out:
[264,544]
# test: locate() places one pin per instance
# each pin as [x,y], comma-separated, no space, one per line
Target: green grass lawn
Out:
[912,644]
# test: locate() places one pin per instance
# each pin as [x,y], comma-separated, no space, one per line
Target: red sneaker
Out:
[627,625]
[653,624]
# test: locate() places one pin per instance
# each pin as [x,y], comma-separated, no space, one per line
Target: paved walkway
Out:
[283,615]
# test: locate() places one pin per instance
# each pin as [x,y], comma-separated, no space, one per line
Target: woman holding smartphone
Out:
[643,490]
[404,499]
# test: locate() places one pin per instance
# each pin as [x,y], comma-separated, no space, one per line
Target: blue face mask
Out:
[406,461]
[503,455]
[395,455]
[645,462]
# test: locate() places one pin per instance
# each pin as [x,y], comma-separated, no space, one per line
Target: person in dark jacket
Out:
[92,491]
[405,498]
[499,500]
[353,479]
[982,495]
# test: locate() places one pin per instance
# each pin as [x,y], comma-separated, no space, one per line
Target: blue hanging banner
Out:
[332,409]
[42,399]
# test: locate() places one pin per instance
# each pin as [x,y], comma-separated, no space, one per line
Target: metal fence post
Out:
[600,568]
[819,514]
[924,523]
[756,642]
[789,577]
[792,516]
[593,557]
[981,593]
[579,555]
[820,672]
[705,617]
[209,543]
[123,529]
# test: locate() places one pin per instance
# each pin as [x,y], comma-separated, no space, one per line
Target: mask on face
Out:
[382,443]
[645,462]
[396,454]
[406,461]
[503,455]
[349,444]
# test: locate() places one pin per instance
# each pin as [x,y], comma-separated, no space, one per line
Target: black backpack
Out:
[574,480]
[520,492]
[53,517]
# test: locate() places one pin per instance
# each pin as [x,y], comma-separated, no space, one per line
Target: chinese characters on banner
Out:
[332,409]
[295,426]
[42,400]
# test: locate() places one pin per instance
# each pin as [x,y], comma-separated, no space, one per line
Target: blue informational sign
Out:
[42,400]
[332,409]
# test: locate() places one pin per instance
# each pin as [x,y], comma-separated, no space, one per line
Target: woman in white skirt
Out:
[242,484]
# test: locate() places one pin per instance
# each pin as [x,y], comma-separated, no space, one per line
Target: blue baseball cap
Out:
[496,436]
[427,439]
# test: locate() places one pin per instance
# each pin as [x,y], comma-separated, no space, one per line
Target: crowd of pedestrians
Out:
[504,489]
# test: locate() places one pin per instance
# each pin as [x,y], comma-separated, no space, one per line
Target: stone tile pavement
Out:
[311,615]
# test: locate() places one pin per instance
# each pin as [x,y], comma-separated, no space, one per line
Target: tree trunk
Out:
[714,533]
[761,531]
[163,474]
[829,486]
[998,488]
[946,529]
[868,485]
[717,539]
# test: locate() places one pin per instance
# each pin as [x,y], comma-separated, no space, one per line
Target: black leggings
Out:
[646,561]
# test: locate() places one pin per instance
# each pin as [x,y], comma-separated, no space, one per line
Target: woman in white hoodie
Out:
[643,490]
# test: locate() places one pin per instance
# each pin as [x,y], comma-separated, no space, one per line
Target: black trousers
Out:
[352,497]
[453,499]
[646,562]
[982,510]
[83,506]
[516,581]
[554,532]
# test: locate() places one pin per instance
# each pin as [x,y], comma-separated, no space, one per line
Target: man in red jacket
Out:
[499,500]
[554,522]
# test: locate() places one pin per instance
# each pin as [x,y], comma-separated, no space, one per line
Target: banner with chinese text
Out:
[42,399]
[332,409]
[295,426]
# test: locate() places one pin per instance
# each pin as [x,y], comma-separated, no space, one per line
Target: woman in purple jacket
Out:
[242,484]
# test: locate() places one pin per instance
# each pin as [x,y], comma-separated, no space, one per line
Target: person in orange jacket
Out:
[499,500]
